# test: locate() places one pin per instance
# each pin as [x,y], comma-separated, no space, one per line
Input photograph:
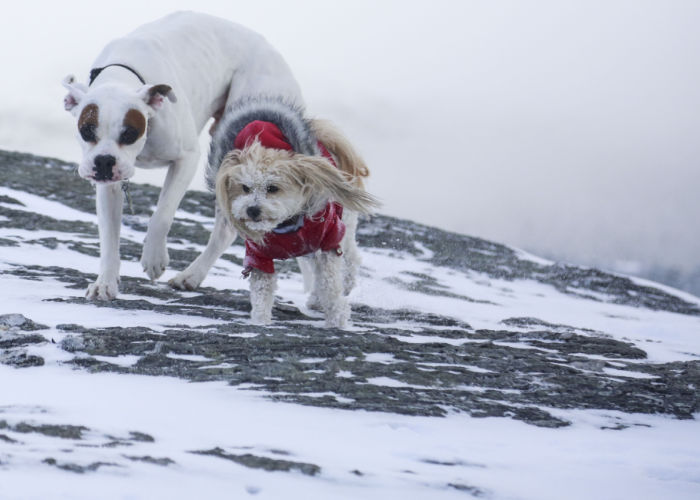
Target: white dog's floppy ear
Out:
[154,95]
[76,92]
[322,181]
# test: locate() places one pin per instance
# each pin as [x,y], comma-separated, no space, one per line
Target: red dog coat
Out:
[322,231]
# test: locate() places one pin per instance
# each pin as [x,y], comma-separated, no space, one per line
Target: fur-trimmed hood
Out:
[287,116]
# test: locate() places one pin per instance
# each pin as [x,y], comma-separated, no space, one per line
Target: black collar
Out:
[94,73]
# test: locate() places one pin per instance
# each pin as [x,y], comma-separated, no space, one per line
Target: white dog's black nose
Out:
[253,212]
[103,167]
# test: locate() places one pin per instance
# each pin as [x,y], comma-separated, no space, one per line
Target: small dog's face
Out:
[261,190]
[112,126]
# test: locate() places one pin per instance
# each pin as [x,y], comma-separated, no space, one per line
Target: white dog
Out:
[149,95]
[281,189]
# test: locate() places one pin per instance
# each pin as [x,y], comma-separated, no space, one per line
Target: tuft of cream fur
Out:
[347,158]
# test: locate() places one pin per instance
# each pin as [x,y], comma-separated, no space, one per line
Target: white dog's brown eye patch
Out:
[87,123]
[134,127]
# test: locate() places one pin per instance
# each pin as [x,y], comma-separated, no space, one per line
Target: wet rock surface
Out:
[519,371]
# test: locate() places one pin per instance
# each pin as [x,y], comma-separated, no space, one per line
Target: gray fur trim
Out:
[289,117]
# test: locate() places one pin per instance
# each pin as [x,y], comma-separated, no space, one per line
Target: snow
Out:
[397,456]
[657,457]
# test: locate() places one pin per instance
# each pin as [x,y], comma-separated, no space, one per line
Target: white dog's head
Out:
[261,188]
[112,125]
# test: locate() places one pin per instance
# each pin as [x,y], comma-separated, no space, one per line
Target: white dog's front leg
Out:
[154,258]
[221,238]
[109,216]
[329,286]
[262,296]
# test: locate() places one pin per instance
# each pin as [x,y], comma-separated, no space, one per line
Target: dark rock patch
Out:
[163,461]
[264,463]
[58,431]
[77,468]
[471,490]
[6,439]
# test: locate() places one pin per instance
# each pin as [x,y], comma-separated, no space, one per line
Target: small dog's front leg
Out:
[154,258]
[262,296]
[110,200]
[329,285]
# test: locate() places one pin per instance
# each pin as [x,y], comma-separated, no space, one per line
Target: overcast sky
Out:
[568,128]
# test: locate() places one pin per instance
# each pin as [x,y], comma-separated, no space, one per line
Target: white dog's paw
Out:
[154,259]
[103,290]
[187,280]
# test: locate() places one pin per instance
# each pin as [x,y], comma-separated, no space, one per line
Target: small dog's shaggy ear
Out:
[76,92]
[154,95]
[224,184]
[321,182]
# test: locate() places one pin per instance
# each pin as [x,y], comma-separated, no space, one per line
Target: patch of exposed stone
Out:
[15,339]
[77,468]
[265,463]
[58,431]
[162,461]
[78,437]
[428,285]
[7,439]
[14,322]
[471,490]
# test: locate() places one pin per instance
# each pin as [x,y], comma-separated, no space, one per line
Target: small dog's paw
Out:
[103,290]
[186,280]
[314,303]
[261,321]
[260,318]
[338,315]
[336,321]
[154,260]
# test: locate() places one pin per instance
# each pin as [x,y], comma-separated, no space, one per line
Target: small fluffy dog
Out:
[293,188]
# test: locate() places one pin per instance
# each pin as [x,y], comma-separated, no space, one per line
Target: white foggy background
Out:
[568,128]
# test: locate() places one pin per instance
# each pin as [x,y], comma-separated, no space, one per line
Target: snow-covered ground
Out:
[70,432]
[394,456]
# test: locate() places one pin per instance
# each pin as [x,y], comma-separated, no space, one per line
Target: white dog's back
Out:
[246,63]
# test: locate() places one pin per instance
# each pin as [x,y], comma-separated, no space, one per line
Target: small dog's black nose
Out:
[253,212]
[103,167]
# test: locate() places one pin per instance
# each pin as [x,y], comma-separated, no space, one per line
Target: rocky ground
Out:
[464,326]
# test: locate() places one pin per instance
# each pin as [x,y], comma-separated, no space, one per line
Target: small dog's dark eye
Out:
[87,132]
[128,135]
[245,188]
[272,189]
